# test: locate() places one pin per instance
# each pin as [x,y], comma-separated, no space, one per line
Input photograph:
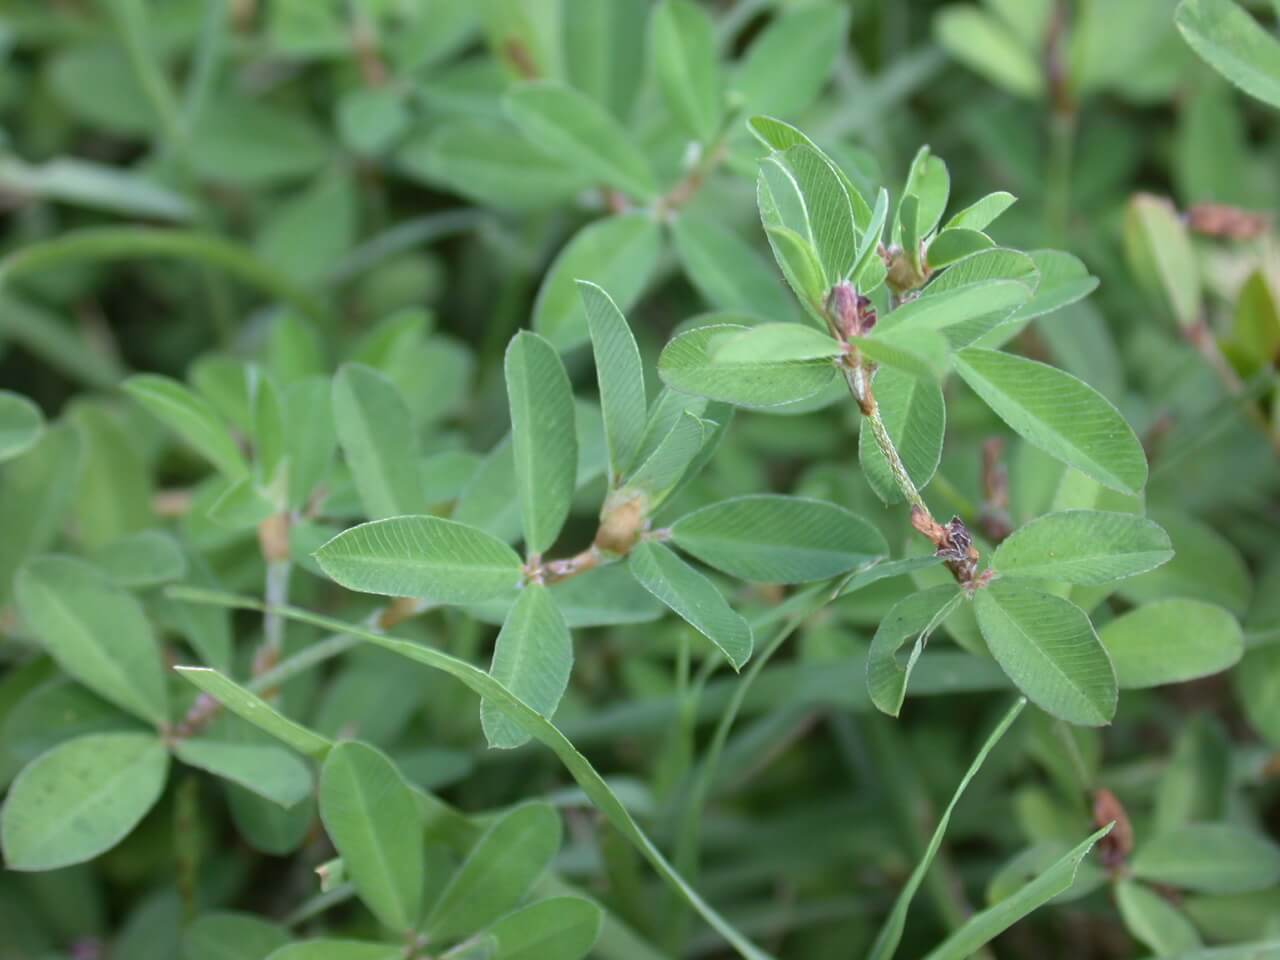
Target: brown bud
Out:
[273,538]
[622,523]
[1225,222]
[1116,846]
[925,524]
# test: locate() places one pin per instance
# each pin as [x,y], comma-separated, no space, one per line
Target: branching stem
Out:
[951,541]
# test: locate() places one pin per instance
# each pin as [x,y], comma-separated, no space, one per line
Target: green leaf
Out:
[689,364]
[1209,858]
[619,374]
[1061,415]
[36,492]
[576,129]
[693,597]
[1205,566]
[984,927]
[532,658]
[191,418]
[543,440]
[915,415]
[1049,649]
[802,44]
[682,42]
[1064,279]
[907,232]
[883,570]
[241,506]
[94,186]
[890,936]
[779,136]
[930,183]
[798,261]
[617,253]
[498,871]
[997,263]
[143,559]
[375,430]
[602,57]
[54,711]
[253,144]
[269,437]
[371,120]
[312,436]
[338,950]
[306,236]
[827,211]
[116,488]
[982,213]
[778,539]
[1162,258]
[562,927]
[655,478]
[1172,641]
[962,314]
[985,44]
[21,424]
[776,343]
[728,272]
[915,615]
[96,632]
[955,243]
[428,557]
[1083,546]
[926,357]
[869,245]
[249,706]
[273,774]
[593,785]
[371,815]
[1233,43]
[231,936]
[80,799]
[1154,921]
[491,165]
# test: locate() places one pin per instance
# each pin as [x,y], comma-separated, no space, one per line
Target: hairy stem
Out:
[859,380]
[951,541]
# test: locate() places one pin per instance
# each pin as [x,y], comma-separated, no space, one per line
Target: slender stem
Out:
[856,375]
[952,541]
[277,595]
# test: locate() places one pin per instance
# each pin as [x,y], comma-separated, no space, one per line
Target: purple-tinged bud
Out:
[842,305]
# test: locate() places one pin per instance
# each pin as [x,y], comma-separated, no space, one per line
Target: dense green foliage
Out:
[546,479]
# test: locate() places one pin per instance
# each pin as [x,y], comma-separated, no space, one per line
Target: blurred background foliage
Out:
[195,187]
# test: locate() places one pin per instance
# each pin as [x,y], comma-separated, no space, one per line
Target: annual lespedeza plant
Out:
[644,598]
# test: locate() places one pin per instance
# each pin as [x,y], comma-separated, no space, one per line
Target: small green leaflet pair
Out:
[1044,642]
[651,450]
[383,829]
[83,796]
